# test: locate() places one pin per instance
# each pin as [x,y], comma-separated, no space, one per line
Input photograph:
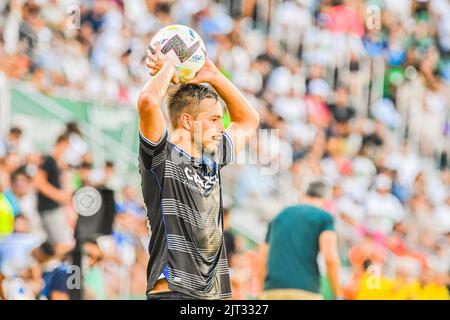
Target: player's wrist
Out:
[216,78]
[170,67]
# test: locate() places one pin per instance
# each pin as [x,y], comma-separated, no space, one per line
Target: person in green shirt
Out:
[295,238]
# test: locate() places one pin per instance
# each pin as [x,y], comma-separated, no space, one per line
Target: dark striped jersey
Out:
[185,214]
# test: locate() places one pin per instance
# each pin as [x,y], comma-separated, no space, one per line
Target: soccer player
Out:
[181,178]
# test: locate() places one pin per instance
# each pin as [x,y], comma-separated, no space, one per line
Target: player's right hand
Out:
[156,60]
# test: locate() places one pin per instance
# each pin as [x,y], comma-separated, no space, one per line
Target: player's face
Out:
[210,122]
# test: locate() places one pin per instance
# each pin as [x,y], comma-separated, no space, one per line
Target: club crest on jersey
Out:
[206,182]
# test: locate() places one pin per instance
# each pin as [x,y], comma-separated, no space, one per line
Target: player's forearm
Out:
[333,266]
[241,111]
[263,255]
[155,89]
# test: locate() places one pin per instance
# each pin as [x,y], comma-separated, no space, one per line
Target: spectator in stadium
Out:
[52,196]
[14,136]
[433,285]
[54,273]
[78,148]
[230,239]
[105,176]
[16,263]
[341,109]
[17,288]
[17,143]
[384,210]
[95,285]
[16,248]
[294,240]
[130,204]
[368,282]
[22,189]
[7,212]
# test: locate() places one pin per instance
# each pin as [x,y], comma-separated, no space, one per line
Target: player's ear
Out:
[186,121]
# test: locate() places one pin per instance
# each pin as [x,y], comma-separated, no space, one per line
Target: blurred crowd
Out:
[40,238]
[356,91]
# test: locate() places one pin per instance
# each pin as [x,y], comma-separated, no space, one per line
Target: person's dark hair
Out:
[72,127]
[47,249]
[317,189]
[20,171]
[86,165]
[31,8]
[336,2]
[109,164]
[62,138]
[187,98]
[15,131]
[366,264]
[20,216]
[162,8]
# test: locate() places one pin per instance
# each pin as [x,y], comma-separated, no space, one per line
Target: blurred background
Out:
[358,91]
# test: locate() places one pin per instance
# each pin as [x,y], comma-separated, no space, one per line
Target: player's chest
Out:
[193,178]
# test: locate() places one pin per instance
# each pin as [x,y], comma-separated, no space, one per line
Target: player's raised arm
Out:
[151,119]
[244,118]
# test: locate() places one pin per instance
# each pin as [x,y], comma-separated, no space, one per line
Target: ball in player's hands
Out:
[184,47]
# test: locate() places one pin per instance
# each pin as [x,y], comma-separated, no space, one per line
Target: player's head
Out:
[317,192]
[195,109]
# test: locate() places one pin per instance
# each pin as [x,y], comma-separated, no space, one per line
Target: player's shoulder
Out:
[177,154]
[151,145]
[305,210]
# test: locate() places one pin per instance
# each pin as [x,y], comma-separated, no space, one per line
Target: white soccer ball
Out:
[184,47]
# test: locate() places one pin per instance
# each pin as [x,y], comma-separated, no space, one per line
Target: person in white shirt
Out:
[383,209]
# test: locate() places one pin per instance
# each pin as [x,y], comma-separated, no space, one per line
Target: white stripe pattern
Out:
[147,150]
[191,216]
[157,160]
[179,243]
[172,171]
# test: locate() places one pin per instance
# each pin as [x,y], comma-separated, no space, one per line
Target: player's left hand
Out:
[206,74]
[156,61]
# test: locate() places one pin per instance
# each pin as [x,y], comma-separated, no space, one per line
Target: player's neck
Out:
[186,144]
[312,201]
